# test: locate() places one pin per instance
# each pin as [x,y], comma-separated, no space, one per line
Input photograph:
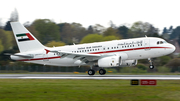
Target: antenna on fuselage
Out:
[74,44]
[145,36]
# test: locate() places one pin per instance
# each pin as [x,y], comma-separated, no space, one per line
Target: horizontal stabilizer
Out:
[21,55]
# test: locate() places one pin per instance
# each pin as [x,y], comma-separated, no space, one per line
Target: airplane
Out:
[115,53]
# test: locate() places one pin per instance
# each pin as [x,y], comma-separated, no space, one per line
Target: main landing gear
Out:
[151,66]
[102,71]
[92,72]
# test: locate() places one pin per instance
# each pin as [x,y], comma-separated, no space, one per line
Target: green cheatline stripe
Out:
[26,39]
[19,35]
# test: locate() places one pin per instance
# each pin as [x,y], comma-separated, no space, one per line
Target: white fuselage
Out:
[128,49]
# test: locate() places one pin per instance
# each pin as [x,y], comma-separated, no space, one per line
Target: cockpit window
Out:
[161,42]
[164,42]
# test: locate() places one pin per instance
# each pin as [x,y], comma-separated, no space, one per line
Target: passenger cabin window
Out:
[158,42]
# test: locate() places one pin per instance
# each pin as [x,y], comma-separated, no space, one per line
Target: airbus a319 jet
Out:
[116,53]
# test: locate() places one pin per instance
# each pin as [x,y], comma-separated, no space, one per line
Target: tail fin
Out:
[25,40]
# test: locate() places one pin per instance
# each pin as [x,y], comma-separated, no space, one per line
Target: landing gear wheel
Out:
[151,66]
[102,71]
[91,72]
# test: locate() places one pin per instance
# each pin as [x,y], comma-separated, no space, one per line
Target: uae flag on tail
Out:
[24,37]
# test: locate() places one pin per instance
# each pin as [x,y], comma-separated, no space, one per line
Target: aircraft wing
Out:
[77,54]
[84,57]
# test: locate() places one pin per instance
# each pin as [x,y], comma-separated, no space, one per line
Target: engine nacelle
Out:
[129,63]
[111,61]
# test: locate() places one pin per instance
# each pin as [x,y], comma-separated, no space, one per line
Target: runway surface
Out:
[59,76]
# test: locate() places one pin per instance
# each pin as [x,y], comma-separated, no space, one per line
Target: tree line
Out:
[51,34]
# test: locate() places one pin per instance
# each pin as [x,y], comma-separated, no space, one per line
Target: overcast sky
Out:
[160,13]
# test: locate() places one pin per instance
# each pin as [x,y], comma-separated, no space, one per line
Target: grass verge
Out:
[86,90]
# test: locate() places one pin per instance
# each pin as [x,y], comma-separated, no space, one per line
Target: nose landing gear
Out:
[151,66]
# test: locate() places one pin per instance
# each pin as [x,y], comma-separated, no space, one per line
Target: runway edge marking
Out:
[124,78]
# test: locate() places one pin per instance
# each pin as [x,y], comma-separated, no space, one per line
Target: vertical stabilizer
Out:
[25,40]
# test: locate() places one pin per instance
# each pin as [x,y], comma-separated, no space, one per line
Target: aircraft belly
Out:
[63,62]
[55,62]
[157,52]
[144,54]
[36,62]
[138,54]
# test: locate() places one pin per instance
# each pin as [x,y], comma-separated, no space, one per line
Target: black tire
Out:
[151,67]
[102,71]
[91,72]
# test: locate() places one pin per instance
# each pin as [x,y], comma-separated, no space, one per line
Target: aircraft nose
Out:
[173,48]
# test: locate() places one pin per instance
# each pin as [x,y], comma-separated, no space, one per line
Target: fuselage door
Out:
[45,57]
[104,49]
[147,44]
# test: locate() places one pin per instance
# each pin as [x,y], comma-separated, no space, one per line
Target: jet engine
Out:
[115,61]
[111,61]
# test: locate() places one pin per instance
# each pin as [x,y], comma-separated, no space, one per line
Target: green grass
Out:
[86,90]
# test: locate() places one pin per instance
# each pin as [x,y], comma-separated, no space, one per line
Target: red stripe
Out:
[47,51]
[40,58]
[161,47]
[29,36]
